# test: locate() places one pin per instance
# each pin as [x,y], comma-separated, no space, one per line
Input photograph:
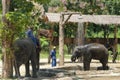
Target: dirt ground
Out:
[74,71]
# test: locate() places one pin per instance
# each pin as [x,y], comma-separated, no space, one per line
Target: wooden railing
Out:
[104,41]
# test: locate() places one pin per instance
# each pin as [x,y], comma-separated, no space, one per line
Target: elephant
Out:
[91,51]
[24,51]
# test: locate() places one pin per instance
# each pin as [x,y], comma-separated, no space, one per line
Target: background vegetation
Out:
[27,15]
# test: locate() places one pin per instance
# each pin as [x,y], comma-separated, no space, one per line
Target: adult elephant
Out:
[25,51]
[92,51]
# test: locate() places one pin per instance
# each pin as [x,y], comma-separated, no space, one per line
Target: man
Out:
[30,35]
[53,56]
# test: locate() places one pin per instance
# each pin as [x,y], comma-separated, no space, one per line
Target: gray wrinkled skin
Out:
[25,51]
[89,52]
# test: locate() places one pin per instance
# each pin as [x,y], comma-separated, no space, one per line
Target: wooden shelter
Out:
[76,17]
[97,19]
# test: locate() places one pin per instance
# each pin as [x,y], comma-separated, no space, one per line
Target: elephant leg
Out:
[27,70]
[73,58]
[104,64]
[37,62]
[17,72]
[34,70]
[86,64]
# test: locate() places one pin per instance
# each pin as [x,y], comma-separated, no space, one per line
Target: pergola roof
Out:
[97,19]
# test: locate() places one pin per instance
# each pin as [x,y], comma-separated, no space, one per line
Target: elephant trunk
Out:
[73,58]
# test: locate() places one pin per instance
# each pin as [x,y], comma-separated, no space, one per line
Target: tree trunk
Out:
[70,48]
[61,41]
[7,67]
[61,35]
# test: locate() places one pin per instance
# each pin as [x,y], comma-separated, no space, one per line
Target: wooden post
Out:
[61,35]
[115,45]
[61,41]
[80,34]
[85,28]
[80,37]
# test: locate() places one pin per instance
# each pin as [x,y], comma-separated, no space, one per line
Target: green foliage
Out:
[45,53]
[84,6]
[95,7]
[70,30]
[112,6]
[44,43]
[19,21]
[22,6]
[55,3]
[42,1]
[19,17]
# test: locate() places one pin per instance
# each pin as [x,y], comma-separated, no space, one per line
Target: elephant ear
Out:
[79,49]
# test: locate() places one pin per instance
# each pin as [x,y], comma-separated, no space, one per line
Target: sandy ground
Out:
[74,71]
[112,74]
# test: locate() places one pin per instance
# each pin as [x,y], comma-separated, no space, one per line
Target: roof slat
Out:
[97,19]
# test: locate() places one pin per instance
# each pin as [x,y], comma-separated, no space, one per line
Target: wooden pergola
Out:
[76,17]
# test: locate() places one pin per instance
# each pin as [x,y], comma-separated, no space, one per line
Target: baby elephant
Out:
[89,52]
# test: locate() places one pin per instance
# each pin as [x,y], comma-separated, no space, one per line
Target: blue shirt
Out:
[30,35]
[53,54]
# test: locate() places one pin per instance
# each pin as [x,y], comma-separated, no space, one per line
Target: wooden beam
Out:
[68,13]
[65,21]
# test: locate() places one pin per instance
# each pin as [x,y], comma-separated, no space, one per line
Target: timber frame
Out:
[65,17]
[61,35]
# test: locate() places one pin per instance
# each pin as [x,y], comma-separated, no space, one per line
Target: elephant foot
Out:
[86,69]
[100,68]
[27,75]
[18,76]
[106,68]
[37,69]
[103,68]
[114,61]
[34,76]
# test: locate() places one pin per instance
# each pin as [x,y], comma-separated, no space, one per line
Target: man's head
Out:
[31,28]
[54,47]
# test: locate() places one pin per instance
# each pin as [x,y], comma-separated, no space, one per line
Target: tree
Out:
[15,19]
[0,6]
[112,6]
[7,65]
